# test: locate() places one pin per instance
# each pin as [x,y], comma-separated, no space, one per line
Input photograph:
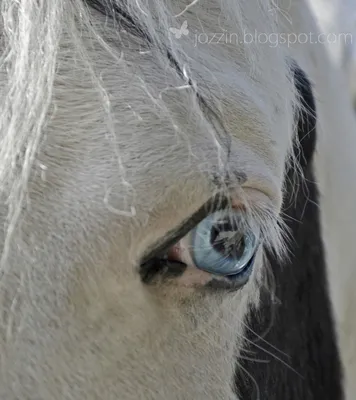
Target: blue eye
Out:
[222,247]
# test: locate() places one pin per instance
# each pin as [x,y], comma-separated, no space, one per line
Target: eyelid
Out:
[216,203]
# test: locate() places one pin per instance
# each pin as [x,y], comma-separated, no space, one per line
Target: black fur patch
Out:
[299,322]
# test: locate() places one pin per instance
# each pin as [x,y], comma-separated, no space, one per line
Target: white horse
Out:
[144,148]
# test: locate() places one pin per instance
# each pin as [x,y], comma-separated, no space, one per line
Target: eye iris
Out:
[221,247]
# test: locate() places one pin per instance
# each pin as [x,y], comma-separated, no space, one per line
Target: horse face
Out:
[142,132]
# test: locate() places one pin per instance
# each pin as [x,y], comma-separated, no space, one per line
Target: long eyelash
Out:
[257,217]
[260,218]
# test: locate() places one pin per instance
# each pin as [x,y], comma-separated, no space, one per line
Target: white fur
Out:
[104,149]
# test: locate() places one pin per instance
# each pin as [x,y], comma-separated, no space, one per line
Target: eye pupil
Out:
[225,239]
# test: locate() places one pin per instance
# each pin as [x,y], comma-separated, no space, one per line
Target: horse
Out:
[177,193]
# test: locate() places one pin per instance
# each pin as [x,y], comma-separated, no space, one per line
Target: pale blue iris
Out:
[225,263]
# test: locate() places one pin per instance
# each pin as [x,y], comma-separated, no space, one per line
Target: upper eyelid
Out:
[216,203]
